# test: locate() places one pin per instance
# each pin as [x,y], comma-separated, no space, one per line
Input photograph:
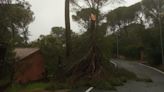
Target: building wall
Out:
[30,69]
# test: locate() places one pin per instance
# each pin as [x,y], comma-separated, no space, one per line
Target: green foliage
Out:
[4,81]
[14,18]
[137,28]
[52,47]
[123,15]
[14,88]
[27,87]
[36,85]
[130,40]
[135,38]
[153,48]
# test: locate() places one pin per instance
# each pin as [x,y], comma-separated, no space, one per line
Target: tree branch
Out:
[76,4]
[89,3]
[93,3]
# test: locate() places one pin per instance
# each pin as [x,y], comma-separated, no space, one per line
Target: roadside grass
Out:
[14,88]
[4,82]
[30,87]
[58,86]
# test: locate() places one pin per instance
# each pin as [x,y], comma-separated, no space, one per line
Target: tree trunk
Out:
[67,31]
[2,58]
[90,66]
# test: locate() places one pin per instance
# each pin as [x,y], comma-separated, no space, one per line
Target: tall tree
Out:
[67,27]
[153,10]
[121,17]
[90,16]
[14,18]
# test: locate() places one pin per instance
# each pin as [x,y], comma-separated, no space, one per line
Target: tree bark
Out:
[67,26]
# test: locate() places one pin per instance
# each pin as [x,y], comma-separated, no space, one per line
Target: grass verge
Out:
[27,87]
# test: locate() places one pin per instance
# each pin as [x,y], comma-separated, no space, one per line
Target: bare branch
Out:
[89,3]
[93,3]
[76,4]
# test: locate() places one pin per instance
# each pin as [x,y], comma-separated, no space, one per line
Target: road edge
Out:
[115,64]
[152,68]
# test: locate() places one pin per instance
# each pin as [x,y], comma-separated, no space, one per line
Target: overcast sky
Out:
[50,13]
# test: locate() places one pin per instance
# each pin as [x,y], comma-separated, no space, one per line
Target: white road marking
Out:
[152,68]
[89,89]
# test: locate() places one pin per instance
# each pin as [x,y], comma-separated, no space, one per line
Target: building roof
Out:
[22,53]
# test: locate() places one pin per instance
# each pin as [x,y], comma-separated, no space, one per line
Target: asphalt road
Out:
[142,72]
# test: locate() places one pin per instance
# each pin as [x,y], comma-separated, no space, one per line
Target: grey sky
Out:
[49,13]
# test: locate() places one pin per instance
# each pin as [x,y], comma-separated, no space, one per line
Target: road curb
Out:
[115,64]
[152,68]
